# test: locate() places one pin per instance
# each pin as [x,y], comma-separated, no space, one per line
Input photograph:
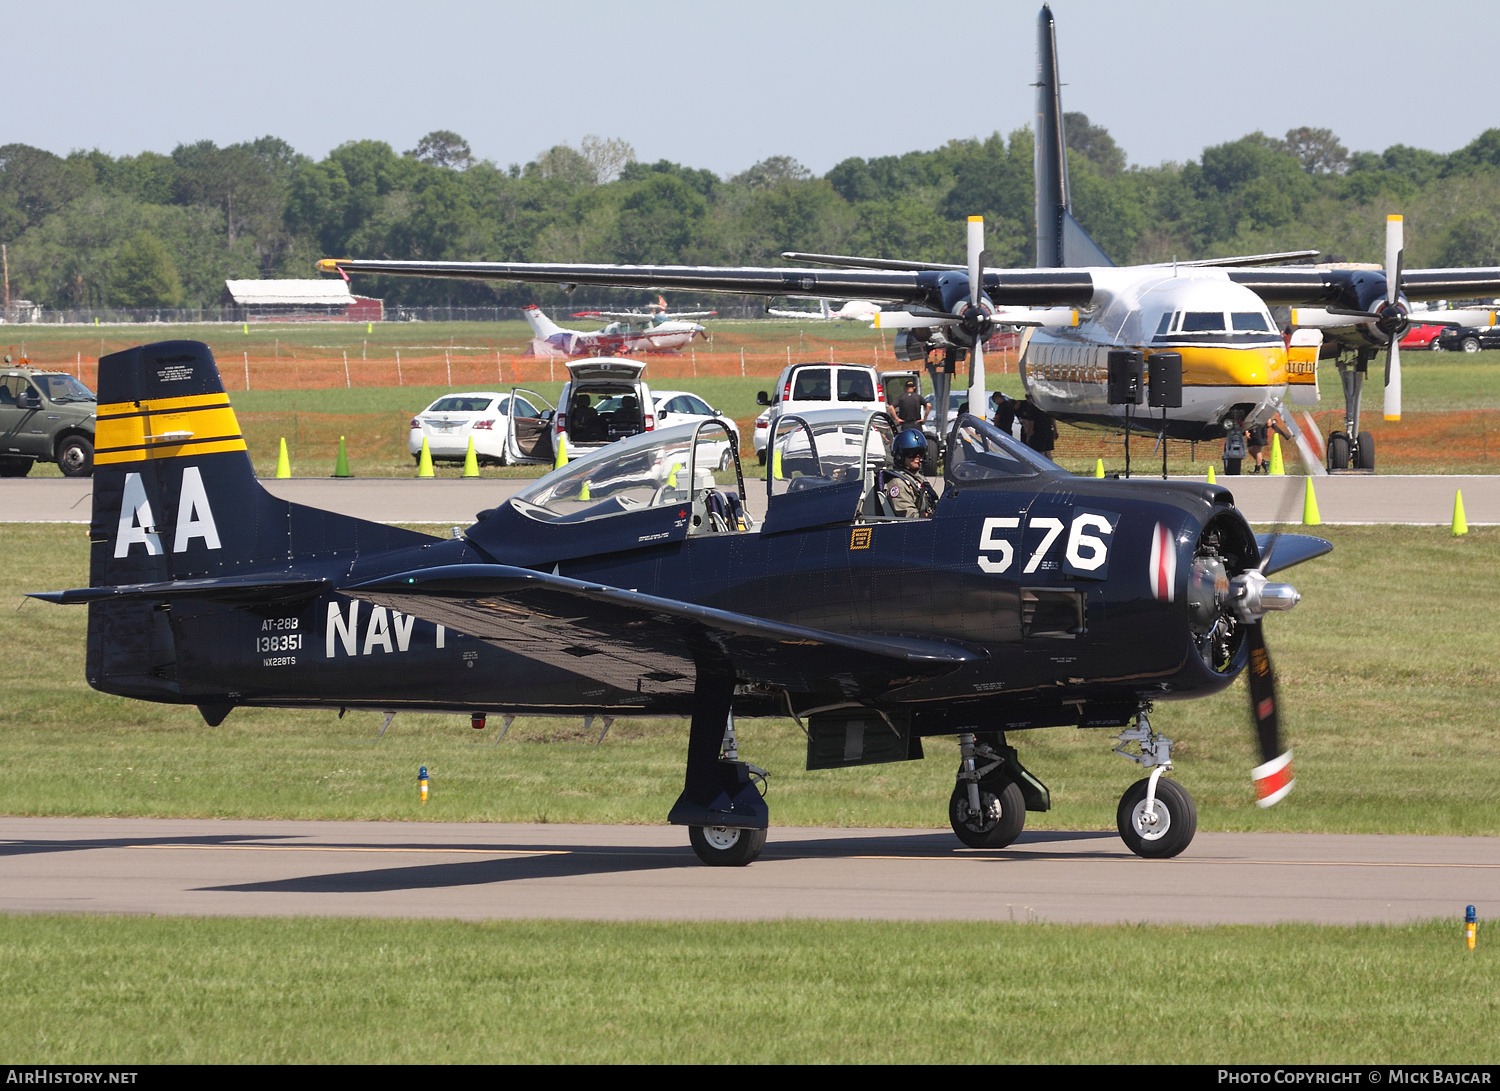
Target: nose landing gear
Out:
[1156,818]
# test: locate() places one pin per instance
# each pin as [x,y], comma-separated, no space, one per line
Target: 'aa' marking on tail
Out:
[195,518]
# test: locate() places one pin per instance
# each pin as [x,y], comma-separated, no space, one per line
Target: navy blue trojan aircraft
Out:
[634,582]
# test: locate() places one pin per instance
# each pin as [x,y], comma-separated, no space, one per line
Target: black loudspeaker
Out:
[1127,369]
[1165,390]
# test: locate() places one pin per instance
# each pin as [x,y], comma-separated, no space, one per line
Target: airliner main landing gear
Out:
[1156,818]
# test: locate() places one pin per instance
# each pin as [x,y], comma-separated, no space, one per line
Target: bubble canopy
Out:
[654,469]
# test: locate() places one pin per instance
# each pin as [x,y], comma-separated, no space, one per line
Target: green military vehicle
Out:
[45,416]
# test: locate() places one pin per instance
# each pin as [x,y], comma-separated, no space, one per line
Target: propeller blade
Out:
[976,251]
[1273,777]
[1312,458]
[1393,380]
[1315,317]
[1393,254]
[913,319]
[976,382]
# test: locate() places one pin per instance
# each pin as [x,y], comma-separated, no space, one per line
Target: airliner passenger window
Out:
[1250,320]
[1203,322]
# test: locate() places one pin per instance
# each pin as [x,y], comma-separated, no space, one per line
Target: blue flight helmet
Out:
[910,442]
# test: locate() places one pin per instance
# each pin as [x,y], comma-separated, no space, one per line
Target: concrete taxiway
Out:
[489,871]
[1416,499]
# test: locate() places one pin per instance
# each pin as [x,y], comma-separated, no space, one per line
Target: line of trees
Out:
[90,230]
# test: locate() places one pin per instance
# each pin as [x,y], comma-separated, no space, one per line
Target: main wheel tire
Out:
[1364,458]
[726,846]
[1338,451]
[15,467]
[1232,466]
[990,830]
[75,456]
[1471,344]
[1176,819]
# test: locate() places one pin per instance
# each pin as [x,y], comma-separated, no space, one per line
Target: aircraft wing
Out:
[651,644]
[1018,287]
[1292,286]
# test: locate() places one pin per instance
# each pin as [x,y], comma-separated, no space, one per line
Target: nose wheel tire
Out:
[726,846]
[1172,830]
[1001,818]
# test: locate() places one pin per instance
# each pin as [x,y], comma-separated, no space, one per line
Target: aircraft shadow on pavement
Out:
[28,848]
[572,861]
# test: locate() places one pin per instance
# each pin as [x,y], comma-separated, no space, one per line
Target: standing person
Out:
[911,410]
[1037,429]
[1258,439]
[1005,412]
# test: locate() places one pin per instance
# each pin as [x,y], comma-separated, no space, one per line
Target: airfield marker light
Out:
[476,721]
[422,782]
[1471,924]
[1460,524]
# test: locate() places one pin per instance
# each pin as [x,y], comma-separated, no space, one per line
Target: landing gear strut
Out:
[987,809]
[721,802]
[1352,448]
[1156,818]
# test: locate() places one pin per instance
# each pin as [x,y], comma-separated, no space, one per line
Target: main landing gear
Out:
[1156,818]
[1351,448]
[721,801]
[987,809]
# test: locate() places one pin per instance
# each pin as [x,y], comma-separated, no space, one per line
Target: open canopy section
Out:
[981,452]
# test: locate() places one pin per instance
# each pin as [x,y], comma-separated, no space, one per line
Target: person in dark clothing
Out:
[1258,440]
[1005,412]
[911,410]
[1037,429]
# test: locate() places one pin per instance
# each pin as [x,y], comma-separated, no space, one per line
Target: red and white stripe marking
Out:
[1163,571]
[1273,780]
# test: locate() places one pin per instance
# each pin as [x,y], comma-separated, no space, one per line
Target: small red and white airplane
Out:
[653,330]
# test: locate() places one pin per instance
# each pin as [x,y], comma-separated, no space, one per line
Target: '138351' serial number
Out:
[285,642]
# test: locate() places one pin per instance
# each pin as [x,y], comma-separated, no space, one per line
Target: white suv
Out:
[801,388]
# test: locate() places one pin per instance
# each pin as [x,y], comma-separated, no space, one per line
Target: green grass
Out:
[1388,671]
[142,990]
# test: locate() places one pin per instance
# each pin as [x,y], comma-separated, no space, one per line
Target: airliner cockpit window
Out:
[1246,321]
[1203,322]
[1165,324]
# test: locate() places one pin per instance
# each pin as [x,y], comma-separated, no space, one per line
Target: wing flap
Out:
[651,644]
[259,586]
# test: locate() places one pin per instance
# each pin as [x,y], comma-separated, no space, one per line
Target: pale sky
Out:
[720,85]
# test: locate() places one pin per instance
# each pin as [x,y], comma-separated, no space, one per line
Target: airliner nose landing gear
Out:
[1156,818]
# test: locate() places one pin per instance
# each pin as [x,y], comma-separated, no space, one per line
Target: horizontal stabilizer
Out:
[259,587]
[647,643]
[1285,550]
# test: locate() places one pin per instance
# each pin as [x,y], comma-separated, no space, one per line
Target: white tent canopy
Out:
[289,293]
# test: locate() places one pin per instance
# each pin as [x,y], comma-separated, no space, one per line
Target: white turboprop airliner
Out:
[1236,367]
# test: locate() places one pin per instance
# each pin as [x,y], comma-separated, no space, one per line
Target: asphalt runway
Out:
[1415,499]
[485,872]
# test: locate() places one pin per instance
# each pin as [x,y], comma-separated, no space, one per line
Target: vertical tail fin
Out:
[540,324]
[175,497]
[1061,241]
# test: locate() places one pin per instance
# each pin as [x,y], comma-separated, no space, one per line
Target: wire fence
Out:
[384,367]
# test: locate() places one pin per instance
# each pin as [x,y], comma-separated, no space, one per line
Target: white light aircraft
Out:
[855,310]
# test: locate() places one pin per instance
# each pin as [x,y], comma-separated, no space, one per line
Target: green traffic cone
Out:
[283,464]
[341,466]
[562,452]
[1211,479]
[471,461]
[1278,467]
[1098,467]
[424,463]
[1460,524]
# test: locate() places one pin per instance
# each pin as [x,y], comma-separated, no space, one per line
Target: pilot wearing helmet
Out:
[905,487]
